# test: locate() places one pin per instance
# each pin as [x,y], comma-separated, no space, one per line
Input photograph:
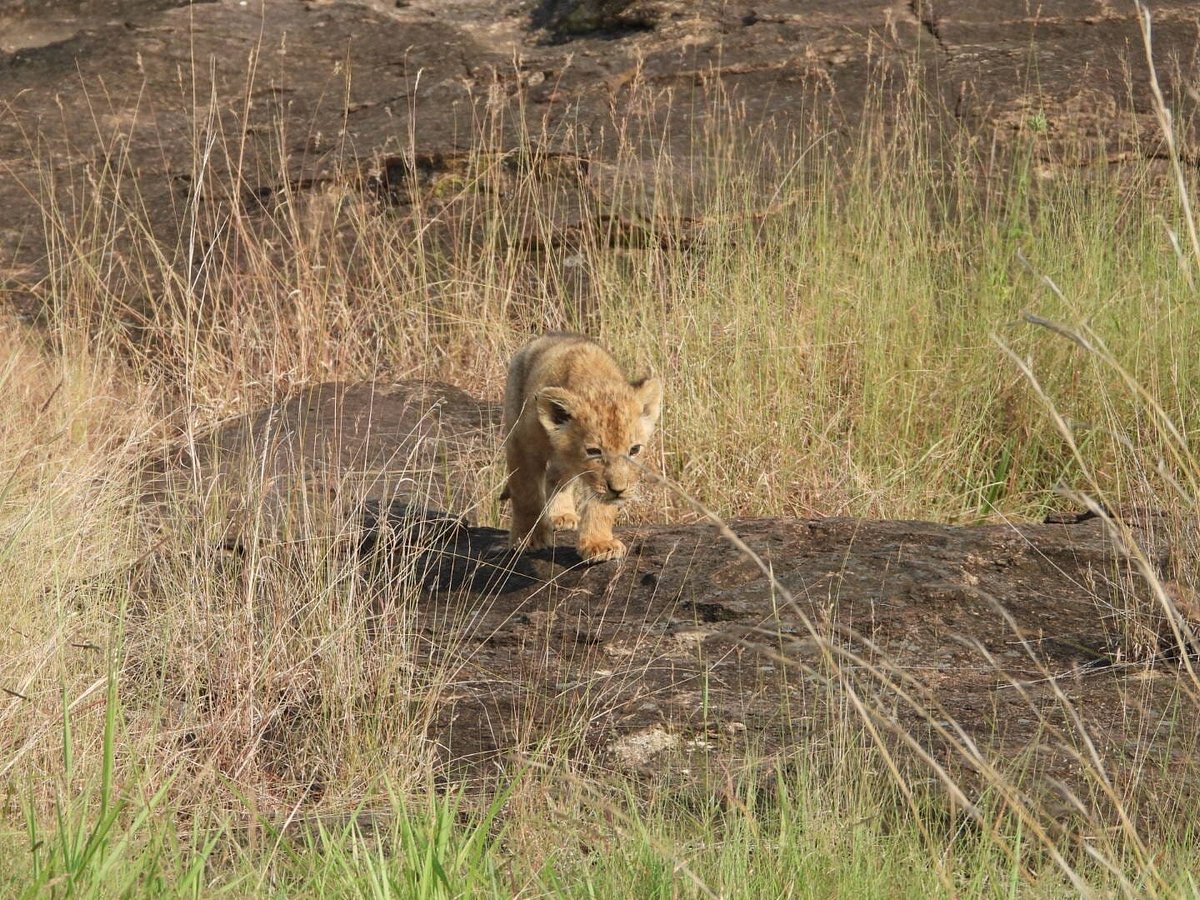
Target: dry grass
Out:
[823,320]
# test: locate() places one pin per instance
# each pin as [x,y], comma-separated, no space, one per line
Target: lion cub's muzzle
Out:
[613,486]
[615,494]
[604,491]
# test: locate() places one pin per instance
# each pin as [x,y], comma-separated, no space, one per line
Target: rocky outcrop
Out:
[319,461]
[1003,637]
[322,89]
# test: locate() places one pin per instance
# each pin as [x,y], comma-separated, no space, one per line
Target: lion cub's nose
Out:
[616,491]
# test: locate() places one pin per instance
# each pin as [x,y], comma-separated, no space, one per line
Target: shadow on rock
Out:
[444,555]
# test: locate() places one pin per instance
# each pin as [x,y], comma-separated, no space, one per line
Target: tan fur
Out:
[566,395]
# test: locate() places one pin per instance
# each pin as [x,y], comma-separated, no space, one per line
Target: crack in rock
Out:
[922,12]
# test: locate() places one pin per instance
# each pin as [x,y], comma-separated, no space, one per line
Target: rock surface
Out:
[306,90]
[314,461]
[687,641]
[683,658]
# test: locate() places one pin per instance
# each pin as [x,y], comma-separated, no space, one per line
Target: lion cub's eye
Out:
[593,452]
[635,449]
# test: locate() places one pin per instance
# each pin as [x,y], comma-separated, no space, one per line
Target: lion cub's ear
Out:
[649,393]
[555,407]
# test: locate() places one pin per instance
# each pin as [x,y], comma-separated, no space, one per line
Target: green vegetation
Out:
[841,330]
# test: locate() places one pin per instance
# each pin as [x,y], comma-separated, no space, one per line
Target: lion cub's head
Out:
[595,430]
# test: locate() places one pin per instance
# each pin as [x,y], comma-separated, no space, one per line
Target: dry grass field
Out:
[851,326]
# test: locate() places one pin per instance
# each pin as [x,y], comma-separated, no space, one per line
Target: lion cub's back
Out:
[559,359]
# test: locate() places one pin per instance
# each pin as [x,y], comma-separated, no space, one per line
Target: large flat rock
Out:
[685,658]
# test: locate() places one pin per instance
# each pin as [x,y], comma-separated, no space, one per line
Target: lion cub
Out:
[572,423]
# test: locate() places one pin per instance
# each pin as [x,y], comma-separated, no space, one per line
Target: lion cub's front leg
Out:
[596,541]
[530,530]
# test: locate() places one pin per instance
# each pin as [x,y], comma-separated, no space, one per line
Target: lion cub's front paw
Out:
[601,550]
[565,521]
[538,539]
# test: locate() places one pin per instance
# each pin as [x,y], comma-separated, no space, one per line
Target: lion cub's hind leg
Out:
[562,509]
